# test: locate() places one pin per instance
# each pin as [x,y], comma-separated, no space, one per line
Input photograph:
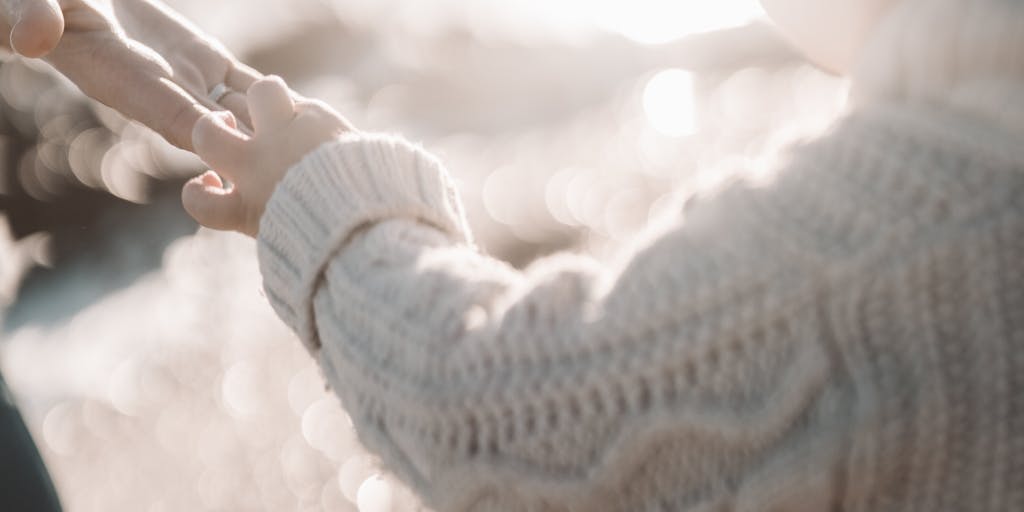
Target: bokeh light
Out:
[661,21]
[568,125]
[374,495]
[669,103]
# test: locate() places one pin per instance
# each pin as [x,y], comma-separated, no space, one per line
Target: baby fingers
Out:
[270,104]
[220,144]
[210,204]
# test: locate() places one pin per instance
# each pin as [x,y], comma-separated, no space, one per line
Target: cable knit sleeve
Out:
[692,376]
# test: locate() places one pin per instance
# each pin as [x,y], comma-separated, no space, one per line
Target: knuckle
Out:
[182,124]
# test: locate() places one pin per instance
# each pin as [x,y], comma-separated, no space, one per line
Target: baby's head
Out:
[831,33]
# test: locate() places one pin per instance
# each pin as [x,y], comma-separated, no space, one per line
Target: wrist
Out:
[351,182]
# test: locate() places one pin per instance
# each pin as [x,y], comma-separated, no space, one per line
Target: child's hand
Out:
[285,130]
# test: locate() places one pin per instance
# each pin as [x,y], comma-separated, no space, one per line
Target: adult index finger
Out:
[131,79]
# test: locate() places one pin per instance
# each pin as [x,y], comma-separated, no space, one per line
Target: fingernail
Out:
[224,117]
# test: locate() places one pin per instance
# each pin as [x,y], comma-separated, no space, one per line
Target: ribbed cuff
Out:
[344,185]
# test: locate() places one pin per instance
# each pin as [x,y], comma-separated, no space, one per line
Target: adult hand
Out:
[147,63]
[198,61]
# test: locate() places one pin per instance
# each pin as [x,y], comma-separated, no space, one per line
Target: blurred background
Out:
[148,365]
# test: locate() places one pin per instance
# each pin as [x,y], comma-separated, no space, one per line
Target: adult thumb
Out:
[210,204]
[36,26]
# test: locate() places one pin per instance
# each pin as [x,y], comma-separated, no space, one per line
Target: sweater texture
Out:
[848,335]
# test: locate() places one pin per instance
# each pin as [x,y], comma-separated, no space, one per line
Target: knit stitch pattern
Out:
[847,336]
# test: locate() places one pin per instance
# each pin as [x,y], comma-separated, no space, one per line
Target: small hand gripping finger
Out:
[270,104]
[220,144]
[211,204]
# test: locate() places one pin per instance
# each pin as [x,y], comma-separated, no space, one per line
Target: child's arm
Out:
[694,375]
[284,131]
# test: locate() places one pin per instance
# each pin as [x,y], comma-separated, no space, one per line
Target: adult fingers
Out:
[155,24]
[240,77]
[236,103]
[210,204]
[179,130]
[219,143]
[131,79]
[270,104]
[36,26]
[164,30]
[199,62]
[226,99]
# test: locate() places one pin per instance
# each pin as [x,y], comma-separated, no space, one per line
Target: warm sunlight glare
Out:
[669,103]
[641,21]
[661,21]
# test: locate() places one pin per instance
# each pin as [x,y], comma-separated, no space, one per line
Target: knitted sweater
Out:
[848,335]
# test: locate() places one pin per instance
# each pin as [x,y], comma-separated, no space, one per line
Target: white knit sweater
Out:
[848,337]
